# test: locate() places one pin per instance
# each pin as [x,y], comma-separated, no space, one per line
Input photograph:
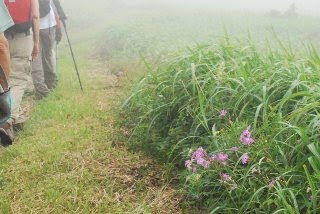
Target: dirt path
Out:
[68,161]
[138,179]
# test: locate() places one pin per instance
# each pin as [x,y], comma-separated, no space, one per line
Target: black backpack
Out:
[44,7]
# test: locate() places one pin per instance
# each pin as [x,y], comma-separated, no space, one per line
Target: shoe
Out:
[18,127]
[6,137]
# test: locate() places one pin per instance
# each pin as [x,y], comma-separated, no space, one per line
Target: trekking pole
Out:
[72,54]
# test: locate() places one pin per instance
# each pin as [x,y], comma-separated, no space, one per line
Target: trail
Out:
[67,159]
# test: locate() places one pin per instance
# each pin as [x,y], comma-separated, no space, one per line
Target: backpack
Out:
[44,7]
[20,11]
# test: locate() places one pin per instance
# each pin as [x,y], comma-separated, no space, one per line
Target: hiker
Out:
[5,99]
[24,47]
[44,74]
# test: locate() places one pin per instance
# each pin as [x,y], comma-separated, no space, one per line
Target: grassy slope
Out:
[64,160]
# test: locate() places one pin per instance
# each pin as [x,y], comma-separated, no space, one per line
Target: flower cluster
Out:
[246,137]
[199,158]
[245,159]
[220,158]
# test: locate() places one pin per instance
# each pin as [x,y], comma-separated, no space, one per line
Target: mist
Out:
[304,7]
[148,27]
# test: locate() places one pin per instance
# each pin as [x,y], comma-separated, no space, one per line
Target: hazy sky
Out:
[303,6]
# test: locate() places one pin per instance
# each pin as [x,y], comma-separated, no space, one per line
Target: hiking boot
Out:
[6,137]
[18,127]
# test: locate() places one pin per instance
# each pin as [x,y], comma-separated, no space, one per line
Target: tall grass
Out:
[176,109]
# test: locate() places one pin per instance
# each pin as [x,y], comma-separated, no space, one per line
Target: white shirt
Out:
[49,20]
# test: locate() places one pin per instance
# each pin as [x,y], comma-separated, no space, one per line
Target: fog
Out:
[303,6]
[125,28]
[306,7]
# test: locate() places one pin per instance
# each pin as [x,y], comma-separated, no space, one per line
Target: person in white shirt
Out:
[44,74]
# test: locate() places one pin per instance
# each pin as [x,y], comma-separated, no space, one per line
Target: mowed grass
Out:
[65,162]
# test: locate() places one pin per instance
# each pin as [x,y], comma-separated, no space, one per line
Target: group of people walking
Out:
[29,33]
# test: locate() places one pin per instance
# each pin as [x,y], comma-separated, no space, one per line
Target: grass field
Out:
[79,154]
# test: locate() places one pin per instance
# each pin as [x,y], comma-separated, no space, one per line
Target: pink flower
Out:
[202,162]
[223,113]
[200,153]
[245,159]
[200,157]
[225,177]
[188,164]
[206,164]
[246,137]
[222,158]
[234,149]
[247,141]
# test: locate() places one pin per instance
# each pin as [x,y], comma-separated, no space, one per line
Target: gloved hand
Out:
[58,35]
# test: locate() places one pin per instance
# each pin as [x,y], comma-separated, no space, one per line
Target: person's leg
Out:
[41,89]
[48,58]
[19,81]
[20,51]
